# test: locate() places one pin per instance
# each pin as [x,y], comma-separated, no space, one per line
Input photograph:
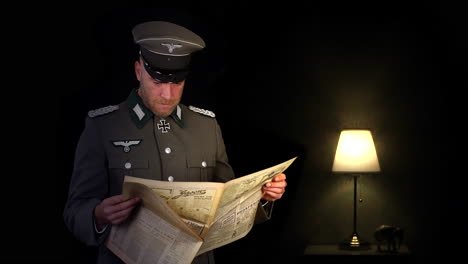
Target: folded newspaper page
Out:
[154,234]
[180,220]
[194,202]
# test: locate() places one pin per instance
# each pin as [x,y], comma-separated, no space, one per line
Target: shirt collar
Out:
[140,114]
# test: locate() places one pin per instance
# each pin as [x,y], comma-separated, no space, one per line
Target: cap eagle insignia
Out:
[171,46]
[126,144]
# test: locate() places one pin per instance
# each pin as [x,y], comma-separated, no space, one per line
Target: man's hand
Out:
[275,189]
[114,210]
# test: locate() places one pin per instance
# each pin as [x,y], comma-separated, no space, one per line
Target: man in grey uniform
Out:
[150,135]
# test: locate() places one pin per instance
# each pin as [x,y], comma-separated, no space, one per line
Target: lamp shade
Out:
[356,153]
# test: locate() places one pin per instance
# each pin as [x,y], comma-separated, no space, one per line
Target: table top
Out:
[334,249]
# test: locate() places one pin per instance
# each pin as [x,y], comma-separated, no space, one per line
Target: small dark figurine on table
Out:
[390,235]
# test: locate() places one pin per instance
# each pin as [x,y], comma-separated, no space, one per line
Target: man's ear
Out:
[138,70]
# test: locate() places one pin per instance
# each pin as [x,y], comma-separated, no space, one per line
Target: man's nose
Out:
[166,91]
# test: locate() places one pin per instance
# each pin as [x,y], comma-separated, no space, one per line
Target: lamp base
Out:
[354,242]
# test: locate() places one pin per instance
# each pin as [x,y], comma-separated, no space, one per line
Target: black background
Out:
[283,81]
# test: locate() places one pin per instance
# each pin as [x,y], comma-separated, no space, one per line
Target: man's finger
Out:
[123,205]
[279,177]
[113,200]
[281,184]
[119,220]
[121,214]
[274,190]
[128,203]
[270,196]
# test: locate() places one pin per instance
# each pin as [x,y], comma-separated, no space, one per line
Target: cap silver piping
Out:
[188,42]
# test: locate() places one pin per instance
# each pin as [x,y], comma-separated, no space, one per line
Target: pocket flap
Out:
[128,164]
[200,163]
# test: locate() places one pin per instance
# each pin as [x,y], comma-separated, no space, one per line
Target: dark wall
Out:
[305,76]
[283,82]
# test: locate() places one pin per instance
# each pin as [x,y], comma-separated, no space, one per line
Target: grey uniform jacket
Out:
[129,139]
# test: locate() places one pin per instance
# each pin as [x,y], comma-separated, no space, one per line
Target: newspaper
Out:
[154,234]
[178,221]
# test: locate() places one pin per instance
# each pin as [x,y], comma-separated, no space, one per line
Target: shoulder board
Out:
[202,111]
[103,111]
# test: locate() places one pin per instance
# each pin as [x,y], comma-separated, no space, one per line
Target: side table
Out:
[331,253]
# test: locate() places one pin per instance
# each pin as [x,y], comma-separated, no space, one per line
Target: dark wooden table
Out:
[331,253]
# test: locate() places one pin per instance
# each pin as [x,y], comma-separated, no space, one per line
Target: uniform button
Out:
[167,150]
[128,165]
[170,178]
[203,164]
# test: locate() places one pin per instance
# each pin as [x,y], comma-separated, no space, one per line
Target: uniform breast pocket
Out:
[128,167]
[200,169]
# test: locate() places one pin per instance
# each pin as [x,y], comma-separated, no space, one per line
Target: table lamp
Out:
[355,155]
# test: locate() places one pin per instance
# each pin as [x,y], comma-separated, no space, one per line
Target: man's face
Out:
[160,98]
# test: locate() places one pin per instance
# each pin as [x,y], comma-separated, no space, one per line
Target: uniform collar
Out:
[141,114]
[177,116]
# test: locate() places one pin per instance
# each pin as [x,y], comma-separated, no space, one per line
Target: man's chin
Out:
[163,112]
[163,115]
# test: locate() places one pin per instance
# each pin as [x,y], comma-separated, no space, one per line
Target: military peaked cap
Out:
[166,49]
